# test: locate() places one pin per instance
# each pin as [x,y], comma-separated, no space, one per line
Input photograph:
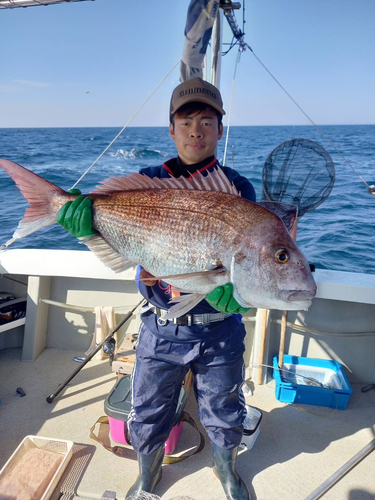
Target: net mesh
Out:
[287,213]
[299,172]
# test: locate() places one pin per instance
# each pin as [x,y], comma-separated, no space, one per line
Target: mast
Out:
[217,37]
[204,22]
[229,8]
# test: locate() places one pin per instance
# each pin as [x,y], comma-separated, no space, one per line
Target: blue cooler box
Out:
[311,381]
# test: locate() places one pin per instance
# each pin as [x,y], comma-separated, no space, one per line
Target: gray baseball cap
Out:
[196,90]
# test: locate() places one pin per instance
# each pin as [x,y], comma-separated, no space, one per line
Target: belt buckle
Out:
[161,321]
[206,319]
[185,320]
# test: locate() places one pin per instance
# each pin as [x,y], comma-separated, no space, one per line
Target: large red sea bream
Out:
[194,233]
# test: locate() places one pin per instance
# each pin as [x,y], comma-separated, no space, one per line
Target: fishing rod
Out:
[107,339]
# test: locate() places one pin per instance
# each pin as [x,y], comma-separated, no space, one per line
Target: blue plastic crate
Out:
[311,381]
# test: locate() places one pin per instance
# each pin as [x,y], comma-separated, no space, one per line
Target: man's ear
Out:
[171,131]
[221,130]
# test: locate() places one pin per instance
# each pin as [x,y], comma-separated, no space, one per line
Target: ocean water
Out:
[338,235]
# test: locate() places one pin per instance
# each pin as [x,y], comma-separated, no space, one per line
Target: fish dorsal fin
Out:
[212,181]
[107,254]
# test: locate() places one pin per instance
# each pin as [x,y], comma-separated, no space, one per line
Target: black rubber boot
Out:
[225,470]
[149,473]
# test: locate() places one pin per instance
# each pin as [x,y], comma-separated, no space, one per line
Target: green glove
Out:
[76,216]
[221,299]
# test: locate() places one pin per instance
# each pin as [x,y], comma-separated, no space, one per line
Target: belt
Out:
[189,319]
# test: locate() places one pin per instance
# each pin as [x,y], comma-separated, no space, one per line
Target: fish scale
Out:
[167,228]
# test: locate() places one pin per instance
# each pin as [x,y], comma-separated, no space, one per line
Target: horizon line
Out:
[166,126]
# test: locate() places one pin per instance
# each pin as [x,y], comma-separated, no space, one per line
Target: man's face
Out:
[196,136]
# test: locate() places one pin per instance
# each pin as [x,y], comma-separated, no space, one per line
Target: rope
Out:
[230,106]
[79,308]
[311,331]
[310,120]
[122,130]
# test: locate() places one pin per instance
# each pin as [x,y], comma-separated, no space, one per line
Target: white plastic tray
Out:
[59,446]
[312,375]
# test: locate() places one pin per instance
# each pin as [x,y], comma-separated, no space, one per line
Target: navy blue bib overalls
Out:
[166,351]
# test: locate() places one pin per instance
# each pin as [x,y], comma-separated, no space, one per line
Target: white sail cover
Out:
[200,19]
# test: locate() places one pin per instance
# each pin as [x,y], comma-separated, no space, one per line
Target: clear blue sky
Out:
[322,51]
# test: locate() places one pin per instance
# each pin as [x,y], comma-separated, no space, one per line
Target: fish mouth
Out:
[301,305]
[299,295]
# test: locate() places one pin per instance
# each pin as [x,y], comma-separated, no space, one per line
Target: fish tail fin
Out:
[38,192]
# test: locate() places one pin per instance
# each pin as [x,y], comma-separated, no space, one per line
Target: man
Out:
[208,342]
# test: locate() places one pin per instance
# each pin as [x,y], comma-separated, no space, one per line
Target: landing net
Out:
[299,172]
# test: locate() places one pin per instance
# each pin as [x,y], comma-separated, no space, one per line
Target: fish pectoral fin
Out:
[107,254]
[183,304]
[147,278]
[196,276]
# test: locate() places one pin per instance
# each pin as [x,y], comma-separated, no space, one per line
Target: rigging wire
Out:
[230,105]
[12,240]
[231,45]
[369,188]
[127,124]
[238,36]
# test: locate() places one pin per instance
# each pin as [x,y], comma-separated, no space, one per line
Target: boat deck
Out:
[298,447]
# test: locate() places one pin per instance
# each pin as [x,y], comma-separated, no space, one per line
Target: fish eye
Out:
[281,256]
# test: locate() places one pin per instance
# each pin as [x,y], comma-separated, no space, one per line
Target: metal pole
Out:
[262,345]
[216,50]
[284,318]
[284,321]
[320,491]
